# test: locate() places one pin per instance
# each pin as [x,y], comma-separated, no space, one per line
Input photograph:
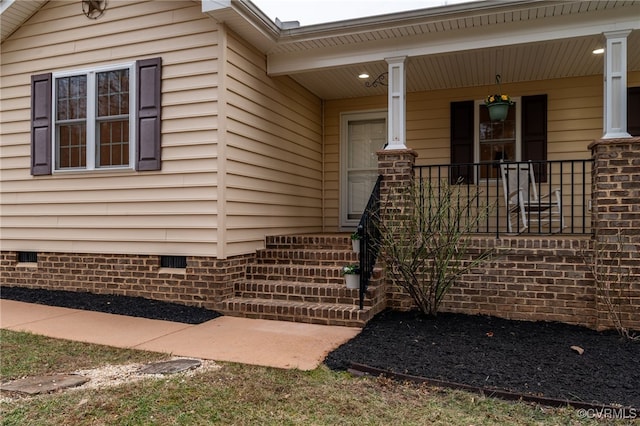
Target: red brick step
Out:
[299,278]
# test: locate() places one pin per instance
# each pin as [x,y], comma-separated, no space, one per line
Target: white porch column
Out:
[615,85]
[397,104]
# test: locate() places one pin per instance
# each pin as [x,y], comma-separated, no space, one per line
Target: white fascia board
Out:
[246,19]
[453,41]
[5,4]
[215,5]
[234,9]
[409,17]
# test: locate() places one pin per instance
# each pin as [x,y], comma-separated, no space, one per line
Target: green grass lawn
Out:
[240,395]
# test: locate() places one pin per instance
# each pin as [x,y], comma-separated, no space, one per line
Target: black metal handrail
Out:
[369,232]
[571,177]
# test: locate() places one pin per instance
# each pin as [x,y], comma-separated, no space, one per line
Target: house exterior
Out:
[151,134]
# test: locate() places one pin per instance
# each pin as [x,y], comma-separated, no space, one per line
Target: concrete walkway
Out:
[249,341]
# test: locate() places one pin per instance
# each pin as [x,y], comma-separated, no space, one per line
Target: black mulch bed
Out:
[111,304]
[533,358]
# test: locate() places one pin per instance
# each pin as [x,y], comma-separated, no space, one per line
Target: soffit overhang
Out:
[421,32]
[484,29]
[14,13]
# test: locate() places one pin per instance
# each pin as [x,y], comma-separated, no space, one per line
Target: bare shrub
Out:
[425,239]
[612,269]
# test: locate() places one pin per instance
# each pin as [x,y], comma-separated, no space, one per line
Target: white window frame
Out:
[476,125]
[91,119]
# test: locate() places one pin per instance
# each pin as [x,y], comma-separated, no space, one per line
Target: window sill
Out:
[94,171]
[27,265]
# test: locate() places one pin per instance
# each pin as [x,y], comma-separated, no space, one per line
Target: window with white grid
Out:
[93,119]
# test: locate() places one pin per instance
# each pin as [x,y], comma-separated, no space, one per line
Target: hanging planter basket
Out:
[498,111]
[498,104]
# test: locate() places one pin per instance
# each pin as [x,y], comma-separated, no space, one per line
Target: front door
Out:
[363,134]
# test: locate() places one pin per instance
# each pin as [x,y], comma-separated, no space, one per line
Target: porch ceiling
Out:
[457,46]
[570,57]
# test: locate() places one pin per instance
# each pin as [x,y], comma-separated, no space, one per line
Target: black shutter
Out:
[41,124]
[633,111]
[534,133]
[462,142]
[149,91]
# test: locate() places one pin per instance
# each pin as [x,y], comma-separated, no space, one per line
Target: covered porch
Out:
[403,96]
[418,80]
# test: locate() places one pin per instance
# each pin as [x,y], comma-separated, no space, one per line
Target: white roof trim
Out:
[371,39]
[437,13]
[5,4]
[246,19]
[478,38]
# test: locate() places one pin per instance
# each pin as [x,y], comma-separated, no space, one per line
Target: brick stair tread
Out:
[301,270]
[309,262]
[269,251]
[337,266]
[318,313]
[294,285]
[296,272]
[310,241]
[323,293]
[297,286]
[311,305]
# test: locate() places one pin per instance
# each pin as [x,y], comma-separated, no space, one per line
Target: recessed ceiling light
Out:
[363,75]
[599,51]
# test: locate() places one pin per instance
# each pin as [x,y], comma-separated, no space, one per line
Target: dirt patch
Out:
[115,375]
[111,375]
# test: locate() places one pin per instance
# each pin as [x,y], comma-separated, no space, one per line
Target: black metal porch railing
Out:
[369,232]
[482,183]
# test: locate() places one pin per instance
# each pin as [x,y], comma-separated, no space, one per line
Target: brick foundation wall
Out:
[534,278]
[204,282]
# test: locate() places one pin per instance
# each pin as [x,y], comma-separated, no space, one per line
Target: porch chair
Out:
[522,201]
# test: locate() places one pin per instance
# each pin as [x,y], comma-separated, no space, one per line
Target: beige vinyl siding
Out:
[172,211]
[574,121]
[273,146]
